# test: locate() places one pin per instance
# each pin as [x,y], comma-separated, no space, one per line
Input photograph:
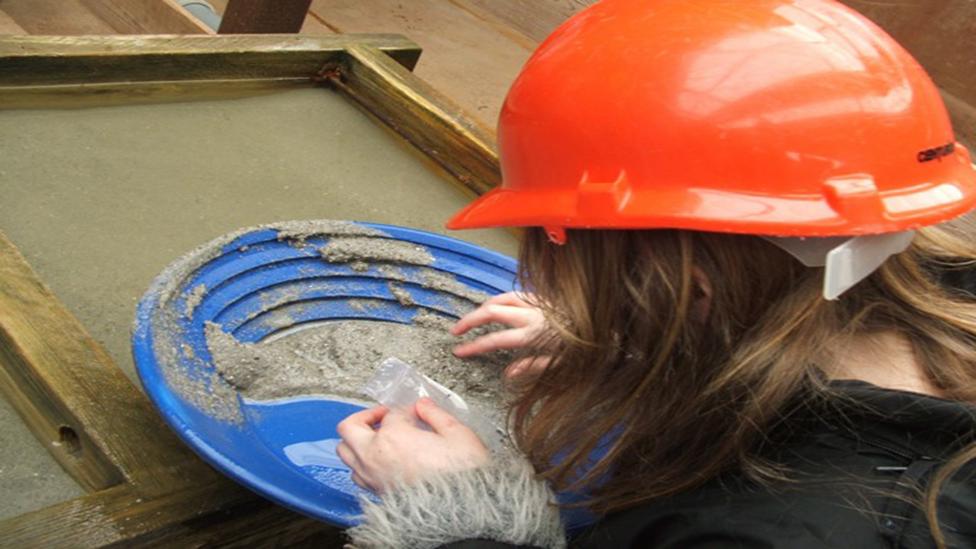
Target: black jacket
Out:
[857,466]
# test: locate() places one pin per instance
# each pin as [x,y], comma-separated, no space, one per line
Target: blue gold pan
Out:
[265,281]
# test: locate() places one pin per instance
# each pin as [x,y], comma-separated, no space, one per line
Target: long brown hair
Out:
[688,393]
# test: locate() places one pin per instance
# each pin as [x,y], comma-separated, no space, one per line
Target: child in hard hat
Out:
[737,332]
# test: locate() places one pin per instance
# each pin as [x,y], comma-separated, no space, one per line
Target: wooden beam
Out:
[147,17]
[68,390]
[468,58]
[47,60]
[57,428]
[426,118]
[264,16]
[73,96]
[219,513]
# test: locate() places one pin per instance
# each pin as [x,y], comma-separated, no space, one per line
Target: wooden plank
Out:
[146,17]
[37,60]
[57,428]
[73,96]
[8,25]
[535,19]
[69,391]
[316,25]
[465,57]
[963,117]
[264,16]
[429,120]
[500,24]
[65,17]
[941,34]
[220,513]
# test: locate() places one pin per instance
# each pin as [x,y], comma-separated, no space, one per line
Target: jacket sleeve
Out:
[502,503]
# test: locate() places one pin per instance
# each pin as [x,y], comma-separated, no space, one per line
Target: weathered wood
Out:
[316,25]
[57,428]
[66,387]
[941,34]
[534,19]
[500,24]
[73,96]
[147,17]
[8,25]
[40,60]
[264,16]
[963,117]
[54,17]
[429,120]
[216,514]
[465,57]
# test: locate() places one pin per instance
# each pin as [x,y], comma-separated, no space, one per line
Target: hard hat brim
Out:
[713,210]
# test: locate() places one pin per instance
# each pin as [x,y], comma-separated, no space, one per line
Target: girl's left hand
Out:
[383,446]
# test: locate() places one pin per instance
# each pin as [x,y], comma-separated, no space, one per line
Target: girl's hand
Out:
[526,322]
[400,450]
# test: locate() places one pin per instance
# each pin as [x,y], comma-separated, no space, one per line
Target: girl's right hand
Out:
[526,322]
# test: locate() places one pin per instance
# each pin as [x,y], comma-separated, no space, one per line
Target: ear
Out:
[702,302]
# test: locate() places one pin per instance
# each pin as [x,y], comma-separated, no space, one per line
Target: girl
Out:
[740,331]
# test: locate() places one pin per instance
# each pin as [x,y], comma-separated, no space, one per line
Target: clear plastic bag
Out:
[398,386]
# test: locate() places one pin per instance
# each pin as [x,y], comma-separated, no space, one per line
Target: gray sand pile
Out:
[349,249]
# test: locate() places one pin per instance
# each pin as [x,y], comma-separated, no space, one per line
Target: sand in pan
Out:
[338,358]
[333,358]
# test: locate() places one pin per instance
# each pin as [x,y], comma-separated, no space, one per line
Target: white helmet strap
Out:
[846,260]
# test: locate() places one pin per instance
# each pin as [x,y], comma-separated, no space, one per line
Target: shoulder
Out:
[807,515]
[716,517]
[854,473]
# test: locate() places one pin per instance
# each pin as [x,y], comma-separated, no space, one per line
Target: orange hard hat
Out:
[767,117]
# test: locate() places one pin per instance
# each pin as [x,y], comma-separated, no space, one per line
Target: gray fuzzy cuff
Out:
[502,502]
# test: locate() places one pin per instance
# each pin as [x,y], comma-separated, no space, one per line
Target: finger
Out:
[442,422]
[360,482]
[368,417]
[514,299]
[491,312]
[398,419]
[358,428]
[505,339]
[347,455]
[532,364]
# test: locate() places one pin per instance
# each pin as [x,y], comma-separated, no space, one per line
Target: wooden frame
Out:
[145,486]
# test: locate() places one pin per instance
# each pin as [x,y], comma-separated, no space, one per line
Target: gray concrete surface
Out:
[100,200]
